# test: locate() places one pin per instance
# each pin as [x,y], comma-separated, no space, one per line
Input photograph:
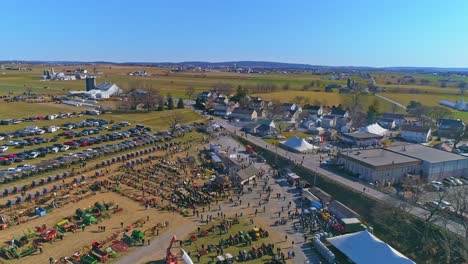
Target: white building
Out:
[416,134]
[104,90]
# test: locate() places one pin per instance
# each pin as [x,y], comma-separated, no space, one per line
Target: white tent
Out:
[298,144]
[365,248]
[374,129]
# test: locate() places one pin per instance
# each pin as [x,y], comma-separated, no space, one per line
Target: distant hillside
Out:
[249,64]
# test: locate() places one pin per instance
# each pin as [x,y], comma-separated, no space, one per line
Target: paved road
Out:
[312,162]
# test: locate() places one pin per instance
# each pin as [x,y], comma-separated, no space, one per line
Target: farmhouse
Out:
[244,175]
[338,112]
[222,110]
[450,128]
[387,123]
[244,113]
[328,121]
[399,119]
[265,131]
[415,134]
[314,109]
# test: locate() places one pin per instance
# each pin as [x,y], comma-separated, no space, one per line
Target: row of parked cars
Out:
[34,130]
[40,118]
[83,155]
[449,182]
[8,159]
[140,136]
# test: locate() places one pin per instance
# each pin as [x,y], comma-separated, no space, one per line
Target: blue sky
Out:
[321,32]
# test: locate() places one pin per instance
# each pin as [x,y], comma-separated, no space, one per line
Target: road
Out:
[391,101]
[312,162]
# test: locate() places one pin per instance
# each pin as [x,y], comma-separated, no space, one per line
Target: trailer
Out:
[99,254]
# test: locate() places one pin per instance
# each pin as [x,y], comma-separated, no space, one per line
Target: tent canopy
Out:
[365,248]
[298,144]
[374,129]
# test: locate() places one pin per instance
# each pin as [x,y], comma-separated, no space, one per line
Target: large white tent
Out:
[298,144]
[374,129]
[365,248]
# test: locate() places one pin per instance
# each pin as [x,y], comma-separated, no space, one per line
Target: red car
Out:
[70,143]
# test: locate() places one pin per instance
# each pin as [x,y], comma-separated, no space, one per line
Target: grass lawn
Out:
[215,237]
[23,109]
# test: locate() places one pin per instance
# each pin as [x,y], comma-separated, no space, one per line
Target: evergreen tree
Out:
[180,104]
[161,105]
[170,103]
[373,114]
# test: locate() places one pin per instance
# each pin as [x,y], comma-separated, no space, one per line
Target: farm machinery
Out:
[66,226]
[135,239]
[170,257]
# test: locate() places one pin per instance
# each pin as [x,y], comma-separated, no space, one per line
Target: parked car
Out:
[3,148]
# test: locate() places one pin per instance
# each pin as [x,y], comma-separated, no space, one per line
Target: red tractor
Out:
[50,235]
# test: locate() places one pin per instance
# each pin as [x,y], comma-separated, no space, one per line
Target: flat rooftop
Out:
[425,153]
[379,157]
[361,135]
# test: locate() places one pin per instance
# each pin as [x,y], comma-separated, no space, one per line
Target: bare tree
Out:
[275,109]
[190,91]
[174,120]
[223,88]
[29,89]
[462,86]
[299,99]
[356,101]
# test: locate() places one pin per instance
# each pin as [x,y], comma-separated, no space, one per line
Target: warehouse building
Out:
[390,165]
[378,165]
[436,164]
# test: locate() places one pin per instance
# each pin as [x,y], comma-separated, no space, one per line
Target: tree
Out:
[373,113]
[199,103]
[174,119]
[443,84]
[355,101]
[412,104]
[241,92]
[286,86]
[161,104]
[189,91]
[299,99]
[170,103]
[180,104]
[462,86]
[223,88]
[29,89]
[275,109]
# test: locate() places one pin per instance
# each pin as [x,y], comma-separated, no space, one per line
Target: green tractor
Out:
[9,253]
[138,235]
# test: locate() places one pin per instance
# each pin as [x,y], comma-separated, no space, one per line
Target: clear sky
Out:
[320,32]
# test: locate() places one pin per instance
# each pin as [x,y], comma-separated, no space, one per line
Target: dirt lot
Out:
[132,211]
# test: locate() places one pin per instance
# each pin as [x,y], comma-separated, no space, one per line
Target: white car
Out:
[33,155]
[2,137]
[54,150]
[11,143]
[64,148]
[457,181]
[3,148]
